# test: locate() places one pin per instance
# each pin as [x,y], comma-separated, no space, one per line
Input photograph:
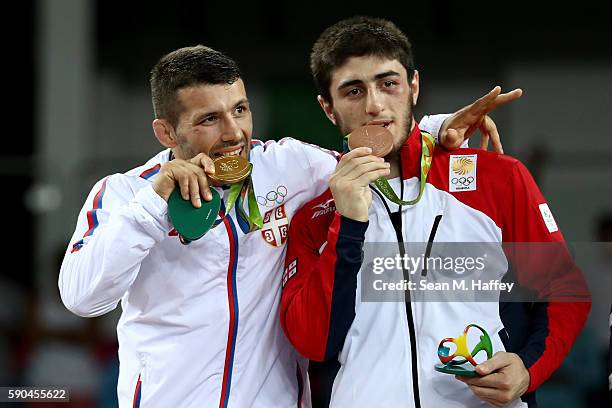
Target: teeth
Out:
[232,153]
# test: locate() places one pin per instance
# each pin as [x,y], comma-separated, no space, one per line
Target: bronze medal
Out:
[231,169]
[378,138]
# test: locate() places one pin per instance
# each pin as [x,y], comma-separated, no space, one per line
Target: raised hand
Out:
[461,125]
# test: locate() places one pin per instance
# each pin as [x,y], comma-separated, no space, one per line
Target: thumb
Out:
[498,361]
[206,163]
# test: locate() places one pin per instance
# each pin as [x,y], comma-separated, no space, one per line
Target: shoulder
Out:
[482,158]
[291,149]
[125,185]
[148,170]
[490,171]
[481,180]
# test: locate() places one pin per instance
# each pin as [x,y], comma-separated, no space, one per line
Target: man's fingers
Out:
[493,100]
[205,162]
[482,105]
[194,190]
[371,176]
[359,151]
[504,98]
[451,139]
[494,380]
[183,181]
[494,135]
[204,189]
[491,395]
[370,164]
[192,182]
[208,165]
[366,168]
[355,158]
[198,186]
[484,140]
[499,360]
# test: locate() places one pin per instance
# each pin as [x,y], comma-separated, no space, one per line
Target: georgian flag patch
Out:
[289,271]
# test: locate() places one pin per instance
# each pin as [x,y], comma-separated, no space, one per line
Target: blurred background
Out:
[77,91]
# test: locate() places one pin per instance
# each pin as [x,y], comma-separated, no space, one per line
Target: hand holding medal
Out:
[192,223]
[380,140]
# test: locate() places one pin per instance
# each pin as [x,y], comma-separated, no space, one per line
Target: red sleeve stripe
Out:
[147,174]
[92,217]
[137,392]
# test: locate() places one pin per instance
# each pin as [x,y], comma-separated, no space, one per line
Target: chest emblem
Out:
[275,226]
[462,173]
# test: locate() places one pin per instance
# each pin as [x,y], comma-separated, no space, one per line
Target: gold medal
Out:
[231,169]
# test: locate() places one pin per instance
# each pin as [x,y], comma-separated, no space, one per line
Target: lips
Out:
[380,122]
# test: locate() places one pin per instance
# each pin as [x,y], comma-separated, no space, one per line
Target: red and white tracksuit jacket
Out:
[387,350]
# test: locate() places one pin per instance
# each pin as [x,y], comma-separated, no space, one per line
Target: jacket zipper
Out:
[408,303]
[432,235]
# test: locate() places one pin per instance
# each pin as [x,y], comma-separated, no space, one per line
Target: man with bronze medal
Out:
[194,259]
[393,186]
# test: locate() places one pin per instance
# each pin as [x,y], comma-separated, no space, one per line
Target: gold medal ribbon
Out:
[245,190]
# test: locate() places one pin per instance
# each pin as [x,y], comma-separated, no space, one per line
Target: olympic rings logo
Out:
[273,197]
[465,181]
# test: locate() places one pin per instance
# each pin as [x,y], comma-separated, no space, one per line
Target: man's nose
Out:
[231,130]
[374,103]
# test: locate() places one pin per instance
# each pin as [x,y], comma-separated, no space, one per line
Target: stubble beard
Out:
[394,155]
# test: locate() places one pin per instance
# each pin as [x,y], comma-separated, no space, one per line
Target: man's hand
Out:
[350,182]
[190,176]
[504,379]
[460,126]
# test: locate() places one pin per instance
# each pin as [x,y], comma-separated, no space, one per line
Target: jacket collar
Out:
[410,154]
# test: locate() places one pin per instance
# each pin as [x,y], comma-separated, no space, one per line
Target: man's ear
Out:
[164,132]
[327,108]
[414,87]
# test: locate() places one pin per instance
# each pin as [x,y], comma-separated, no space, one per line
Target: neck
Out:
[395,166]
[394,158]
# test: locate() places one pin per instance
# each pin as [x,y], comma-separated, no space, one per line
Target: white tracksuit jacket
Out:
[199,326]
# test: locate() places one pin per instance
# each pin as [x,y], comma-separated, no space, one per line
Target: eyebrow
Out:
[243,101]
[200,116]
[352,82]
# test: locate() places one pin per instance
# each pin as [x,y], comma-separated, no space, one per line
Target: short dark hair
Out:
[187,67]
[357,37]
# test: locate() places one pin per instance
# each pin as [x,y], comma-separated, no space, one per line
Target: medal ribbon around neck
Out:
[427,148]
[245,189]
[236,172]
